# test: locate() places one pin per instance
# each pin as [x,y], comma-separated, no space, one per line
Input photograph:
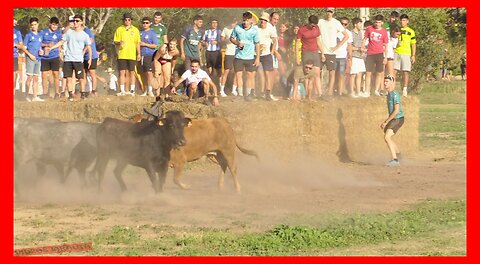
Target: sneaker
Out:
[393,163]
[223,94]
[144,94]
[377,93]
[28,99]
[405,93]
[234,93]
[121,94]
[37,99]
[270,97]
[151,94]
[132,93]
[354,95]
[365,94]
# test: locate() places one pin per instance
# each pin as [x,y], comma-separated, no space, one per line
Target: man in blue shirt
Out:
[17,45]
[33,44]
[395,119]
[148,44]
[247,55]
[50,61]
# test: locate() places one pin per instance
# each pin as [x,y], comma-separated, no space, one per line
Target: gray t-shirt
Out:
[357,43]
[75,43]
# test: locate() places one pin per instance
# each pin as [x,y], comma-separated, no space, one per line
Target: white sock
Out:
[404,88]
[234,87]
[122,88]
[149,88]
[132,88]
[222,88]
[249,90]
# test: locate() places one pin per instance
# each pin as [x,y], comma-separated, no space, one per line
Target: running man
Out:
[395,119]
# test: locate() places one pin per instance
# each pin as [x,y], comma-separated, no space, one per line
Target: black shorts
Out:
[214,59]
[69,67]
[15,64]
[93,66]
[330,61]
[126,65]
[240,65]
[267,62]
[374,63]
[145,64]
[309,55]
[198,93]
[50,64]
[228,63]
[394,124]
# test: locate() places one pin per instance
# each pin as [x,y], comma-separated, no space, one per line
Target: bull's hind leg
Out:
[121,165]
[178,167]
[230,159]
[100,167]
[223,164]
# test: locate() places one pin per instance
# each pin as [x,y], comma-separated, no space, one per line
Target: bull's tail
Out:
[248,152]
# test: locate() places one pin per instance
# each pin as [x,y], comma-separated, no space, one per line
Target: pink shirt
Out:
[376,39]
[309,38]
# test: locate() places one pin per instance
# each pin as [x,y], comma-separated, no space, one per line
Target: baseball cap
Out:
[70,18]
[330,9]
[78,16]
[389,77]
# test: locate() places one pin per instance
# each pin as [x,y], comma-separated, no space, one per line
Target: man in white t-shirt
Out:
[198,83]
[268,42]
[329,29]
[344,57]
[228,60]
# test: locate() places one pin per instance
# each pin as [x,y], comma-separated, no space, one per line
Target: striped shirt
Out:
[211,35]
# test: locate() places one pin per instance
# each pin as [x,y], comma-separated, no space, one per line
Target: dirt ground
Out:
[298,192]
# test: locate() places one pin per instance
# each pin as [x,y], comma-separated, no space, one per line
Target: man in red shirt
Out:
[376,54]
[309,38]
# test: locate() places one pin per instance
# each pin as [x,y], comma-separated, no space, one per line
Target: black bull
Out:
[146,145]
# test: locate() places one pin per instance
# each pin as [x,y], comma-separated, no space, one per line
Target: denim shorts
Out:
[33,67]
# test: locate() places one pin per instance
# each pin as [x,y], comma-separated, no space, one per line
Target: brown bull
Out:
[206,137]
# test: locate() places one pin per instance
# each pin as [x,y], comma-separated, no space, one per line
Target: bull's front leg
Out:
[162,174]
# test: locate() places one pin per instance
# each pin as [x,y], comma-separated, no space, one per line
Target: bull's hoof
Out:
[183,186]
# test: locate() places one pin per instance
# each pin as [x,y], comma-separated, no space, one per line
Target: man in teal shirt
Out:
[395,119]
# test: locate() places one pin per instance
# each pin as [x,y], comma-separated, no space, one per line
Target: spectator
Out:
[405,52]
[190,41]
[329,29]
[309,43]
[198,83]
[301,76]
[95,62]
[148,44]
[343,56]
[268,40]
[212,40]
[17,45]
[127,43]
[164,61]
[228,59]
[50,61]
[394,120]
[392,21]
[160,29]
[392,44]
[112,81]
[376,54]
[76,42]
[463,66]
[33,51]
[358,64]
[247,55]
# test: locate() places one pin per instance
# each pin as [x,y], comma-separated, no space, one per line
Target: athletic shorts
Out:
[15,64]
[240,65]
[394,124]
[358,66]
[374,63]
[402,62]
[50,64]
[126,65]
[228,63]
[145,64]
[341,65]
[267,62]
[213,59]
[314,56]
[330,61]
[93,66]
[33,67]
[198,93]
[69,67]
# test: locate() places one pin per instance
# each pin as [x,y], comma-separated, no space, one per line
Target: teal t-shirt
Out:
[249,37]
[192,40]
[392,99]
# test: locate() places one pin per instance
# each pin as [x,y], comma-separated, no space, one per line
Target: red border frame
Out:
[6,248]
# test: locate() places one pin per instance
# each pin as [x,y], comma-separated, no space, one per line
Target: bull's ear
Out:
[188,121]
[162,121]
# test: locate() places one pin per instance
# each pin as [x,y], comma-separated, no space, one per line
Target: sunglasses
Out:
[77,20]
[146,22]
[345,24]
[308,68]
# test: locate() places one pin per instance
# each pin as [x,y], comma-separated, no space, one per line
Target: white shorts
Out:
[358,65]
[402,62]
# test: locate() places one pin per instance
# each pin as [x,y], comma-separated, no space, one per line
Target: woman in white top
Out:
[392,44]
[164,62]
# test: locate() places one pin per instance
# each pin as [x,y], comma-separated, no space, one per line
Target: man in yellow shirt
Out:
[127,44]
[405,52]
